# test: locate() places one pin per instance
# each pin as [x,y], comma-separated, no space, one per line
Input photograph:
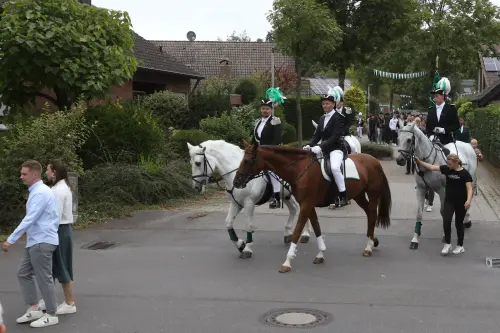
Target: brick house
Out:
[488,81]
[156,71]
[233,60]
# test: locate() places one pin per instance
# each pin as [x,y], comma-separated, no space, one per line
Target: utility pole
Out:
[272,71]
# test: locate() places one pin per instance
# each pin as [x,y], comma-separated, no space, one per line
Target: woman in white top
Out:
[63,255]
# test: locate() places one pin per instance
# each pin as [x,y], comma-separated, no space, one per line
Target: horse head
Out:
[406,143]
[201,167]
[251,165]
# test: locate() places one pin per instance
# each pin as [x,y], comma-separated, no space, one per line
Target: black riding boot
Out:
[342,199]
[275,202]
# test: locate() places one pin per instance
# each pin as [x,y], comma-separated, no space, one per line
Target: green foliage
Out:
[377,151]
[178,141]
[355,98]
[247,114]
[132,184]
[484,124]
[212,99]
[226,127]
[73,49]
[247,89]
[288,133]
[464,109]
[170,109]
[311,110]
[121,133]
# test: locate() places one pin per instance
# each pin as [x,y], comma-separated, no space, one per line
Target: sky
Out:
[171,20]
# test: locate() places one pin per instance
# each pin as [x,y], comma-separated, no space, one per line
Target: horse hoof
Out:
[375,242]
[246,255]
[468,224]
[318,261]
[332,206]
[287,239]
[413,246]
[285,269]
[304,239]
[367,253]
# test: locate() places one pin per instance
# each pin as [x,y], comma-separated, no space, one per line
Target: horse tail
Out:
[384,204]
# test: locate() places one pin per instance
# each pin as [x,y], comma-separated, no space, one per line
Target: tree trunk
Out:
[298,83]
[391,98]
[342,72]
[63,100]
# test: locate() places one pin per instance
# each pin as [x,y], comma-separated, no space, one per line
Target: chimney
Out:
[225,68]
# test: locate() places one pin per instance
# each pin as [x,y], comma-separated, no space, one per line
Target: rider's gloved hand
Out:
[439,130]
[306,147]
[316,150]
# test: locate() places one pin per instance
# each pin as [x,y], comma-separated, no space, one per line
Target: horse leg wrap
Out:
[232,235]
[249,236]
[321,243]
[292,251]
[418,227]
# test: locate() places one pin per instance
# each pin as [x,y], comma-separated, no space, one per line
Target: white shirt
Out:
[64,199]
[439,109]
[462,129]
[327,117]
[393,124]
[261,126]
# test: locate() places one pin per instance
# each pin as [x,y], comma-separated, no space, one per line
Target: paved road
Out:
[176,271]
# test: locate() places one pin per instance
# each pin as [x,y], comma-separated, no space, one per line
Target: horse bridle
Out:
[411,152]
[206,166]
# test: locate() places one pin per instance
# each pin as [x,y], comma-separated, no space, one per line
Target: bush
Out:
[226,127]
[49,136]
[178,141]
[464,109]
[170,109]
[132,184]
[377,151]
[247,114]
[247,89]
[289,134]
[121,133]
[484,124]
[311,110]
[355,98]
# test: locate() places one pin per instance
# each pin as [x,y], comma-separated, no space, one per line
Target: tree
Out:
[304,30]
[242,37]
[72,49]
[269,37]
[355,98]
[367,26]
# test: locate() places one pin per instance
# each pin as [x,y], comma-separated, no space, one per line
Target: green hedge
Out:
[484,124]
[311,110]
[178,141]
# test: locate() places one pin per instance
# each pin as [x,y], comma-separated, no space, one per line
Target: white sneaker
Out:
[429,208]
[41,305]
[46,320]
[458,250]
[65,308]
[446,249]
[30,315]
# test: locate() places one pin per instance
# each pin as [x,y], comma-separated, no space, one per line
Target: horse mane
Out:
[286,150]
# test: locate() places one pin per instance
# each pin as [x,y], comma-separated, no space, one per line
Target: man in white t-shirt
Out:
[393,125]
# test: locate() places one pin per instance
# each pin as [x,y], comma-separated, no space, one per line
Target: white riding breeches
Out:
[360,132]
[350,141]
[336,159]
[275,182]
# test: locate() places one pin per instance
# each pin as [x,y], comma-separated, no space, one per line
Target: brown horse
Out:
[302,171]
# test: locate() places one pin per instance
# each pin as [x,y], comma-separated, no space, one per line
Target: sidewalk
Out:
[488,179]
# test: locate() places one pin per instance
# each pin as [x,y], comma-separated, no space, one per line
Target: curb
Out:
[487,201]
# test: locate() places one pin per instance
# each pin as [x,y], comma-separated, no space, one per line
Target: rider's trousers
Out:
[336,159]
[275,182]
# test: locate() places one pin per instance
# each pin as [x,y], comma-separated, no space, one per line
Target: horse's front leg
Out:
[305,211]
[292,207]
[248,211]
[234,210]
[320,258]
[418,224]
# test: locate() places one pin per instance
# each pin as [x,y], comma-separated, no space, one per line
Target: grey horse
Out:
[413,142]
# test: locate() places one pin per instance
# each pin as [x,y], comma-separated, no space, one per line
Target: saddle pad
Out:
[350,168]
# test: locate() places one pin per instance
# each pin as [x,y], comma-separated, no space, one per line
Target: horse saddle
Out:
[351,172]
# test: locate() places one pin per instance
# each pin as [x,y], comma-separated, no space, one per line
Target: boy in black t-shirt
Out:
[457,200]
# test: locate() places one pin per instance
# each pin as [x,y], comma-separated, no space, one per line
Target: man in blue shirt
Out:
[40,225]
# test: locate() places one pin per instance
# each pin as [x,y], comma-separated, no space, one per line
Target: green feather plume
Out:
[275,95]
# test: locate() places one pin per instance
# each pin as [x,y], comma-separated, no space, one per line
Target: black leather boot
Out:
[342,199]
[275,202]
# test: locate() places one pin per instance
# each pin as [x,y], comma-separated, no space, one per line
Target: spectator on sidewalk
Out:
[393,125]
[380,128]
[479,155]
[40,225]
[361,124]
[463,133]
[63,255]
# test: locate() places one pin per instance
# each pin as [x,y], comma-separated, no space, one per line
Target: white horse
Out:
[348,138]
[412,141]
[226,158]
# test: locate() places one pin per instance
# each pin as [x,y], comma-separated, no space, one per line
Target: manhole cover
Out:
[296,318]
[99,245]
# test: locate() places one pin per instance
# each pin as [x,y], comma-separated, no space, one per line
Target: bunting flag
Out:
[399,76]
[404,96]
[434,86]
